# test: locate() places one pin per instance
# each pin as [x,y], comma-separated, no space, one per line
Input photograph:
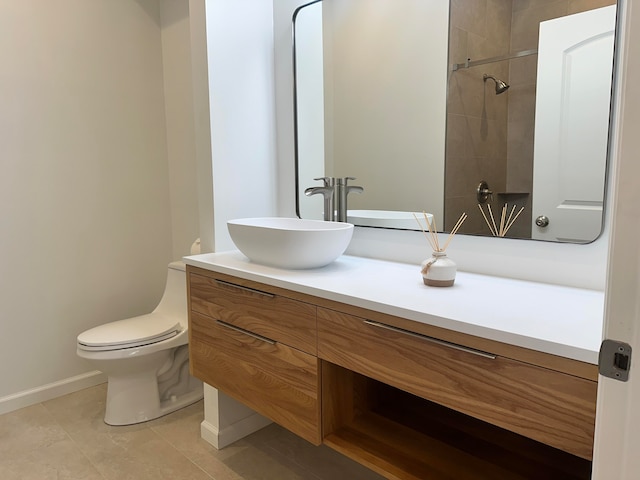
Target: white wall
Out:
[180,128]
[575,265]
[241,100]
[387,122]
[239,113]
[85,197]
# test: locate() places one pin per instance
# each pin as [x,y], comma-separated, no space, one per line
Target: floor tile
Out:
[58,461]
[66,439]
[28,429]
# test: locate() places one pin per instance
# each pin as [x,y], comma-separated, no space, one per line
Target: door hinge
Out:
[614,360]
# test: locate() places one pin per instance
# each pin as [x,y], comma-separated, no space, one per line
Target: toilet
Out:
[146,358]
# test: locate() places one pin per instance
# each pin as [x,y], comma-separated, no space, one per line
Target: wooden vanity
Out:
[408,399]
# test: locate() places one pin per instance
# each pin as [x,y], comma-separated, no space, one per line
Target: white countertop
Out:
[559,320]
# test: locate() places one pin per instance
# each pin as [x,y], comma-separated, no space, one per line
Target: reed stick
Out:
[432,237]
[487,221]
[433,231]
[492,219]
[510,215]
[454,230]
[506,222]
[514,220]
[429,241]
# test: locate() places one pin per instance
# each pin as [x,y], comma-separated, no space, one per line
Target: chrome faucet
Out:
[342,190]
[334,191]
[328,191]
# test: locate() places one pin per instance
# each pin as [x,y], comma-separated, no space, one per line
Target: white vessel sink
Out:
[387,219]
[291,243]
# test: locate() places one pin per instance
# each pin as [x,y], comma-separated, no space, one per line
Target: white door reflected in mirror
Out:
[572,125]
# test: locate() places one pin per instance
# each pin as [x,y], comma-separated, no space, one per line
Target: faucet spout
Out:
[328,192]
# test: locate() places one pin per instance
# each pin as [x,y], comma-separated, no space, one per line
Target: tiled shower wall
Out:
[489,136]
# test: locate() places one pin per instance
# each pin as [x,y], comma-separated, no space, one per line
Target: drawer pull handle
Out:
[246,289]
[246,332]
[455,346]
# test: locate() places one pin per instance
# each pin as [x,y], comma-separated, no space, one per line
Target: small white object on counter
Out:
[559,320]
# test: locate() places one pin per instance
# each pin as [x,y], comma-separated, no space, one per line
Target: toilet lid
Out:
[130,332]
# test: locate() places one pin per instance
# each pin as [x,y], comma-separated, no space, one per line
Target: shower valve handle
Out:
[483,192]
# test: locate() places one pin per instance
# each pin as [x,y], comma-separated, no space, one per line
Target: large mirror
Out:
[500,109]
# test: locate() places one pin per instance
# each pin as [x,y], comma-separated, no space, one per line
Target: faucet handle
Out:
[344,180]
[328,181]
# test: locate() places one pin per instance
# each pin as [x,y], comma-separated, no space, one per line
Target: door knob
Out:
[542,221]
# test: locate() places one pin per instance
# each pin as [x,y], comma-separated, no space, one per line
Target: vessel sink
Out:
[290,243]
[387,219]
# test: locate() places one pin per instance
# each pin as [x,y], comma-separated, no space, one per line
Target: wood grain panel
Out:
[277,381]
[534,357]
[546,360]
[551,407]
[253,307]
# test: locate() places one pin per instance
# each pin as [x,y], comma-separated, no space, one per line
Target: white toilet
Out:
[146,358]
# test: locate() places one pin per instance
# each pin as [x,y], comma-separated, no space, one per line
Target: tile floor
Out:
[66,439]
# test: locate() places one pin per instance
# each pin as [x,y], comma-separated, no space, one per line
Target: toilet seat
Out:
[129,333]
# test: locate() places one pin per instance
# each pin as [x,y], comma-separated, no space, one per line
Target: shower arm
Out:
[469,63]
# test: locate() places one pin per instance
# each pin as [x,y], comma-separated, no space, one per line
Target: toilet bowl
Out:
[146,358]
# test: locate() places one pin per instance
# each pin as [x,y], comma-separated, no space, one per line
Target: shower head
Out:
[501,86]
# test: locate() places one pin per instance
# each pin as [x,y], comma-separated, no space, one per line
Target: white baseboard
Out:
[46,392]
[228,435]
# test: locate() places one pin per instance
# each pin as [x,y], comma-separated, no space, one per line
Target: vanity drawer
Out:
[256,308]
[551,407]
[275,380]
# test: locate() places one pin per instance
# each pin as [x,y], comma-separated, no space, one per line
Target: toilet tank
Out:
[174,299]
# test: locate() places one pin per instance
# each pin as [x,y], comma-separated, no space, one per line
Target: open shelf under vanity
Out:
[400,435]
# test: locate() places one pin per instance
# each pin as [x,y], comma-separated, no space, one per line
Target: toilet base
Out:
[143,395]
[141,401]
[143,404]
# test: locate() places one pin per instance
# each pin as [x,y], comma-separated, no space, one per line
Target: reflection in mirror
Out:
[376,92]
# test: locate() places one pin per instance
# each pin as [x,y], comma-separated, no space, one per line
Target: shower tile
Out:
[494,171]
[520,174]
[520,144]
[455,206]
[487,138]
[526,4]
[456,135]
[462,176]
[523,71]
[525,24]
[469,15]
[457,45]
[478,47]
[498,27]
[466,93]
[522,103]
[576,6]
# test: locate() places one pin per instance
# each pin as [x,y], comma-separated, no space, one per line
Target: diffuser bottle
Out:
[439,270]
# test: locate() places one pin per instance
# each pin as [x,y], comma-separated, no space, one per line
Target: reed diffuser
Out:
[505,222]
[439,270]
